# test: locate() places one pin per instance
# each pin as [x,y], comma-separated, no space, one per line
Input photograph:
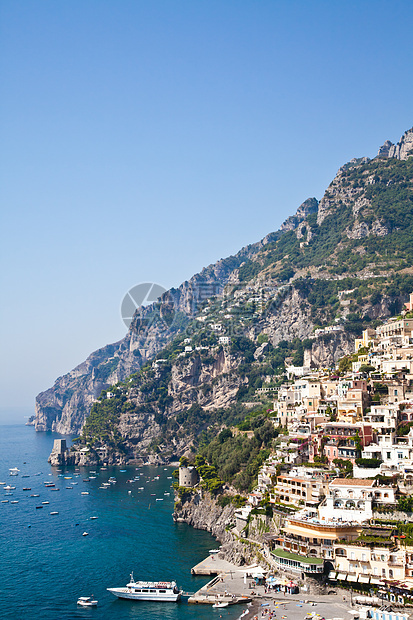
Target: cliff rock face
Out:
[203,513]
[404,148]
[304,210]
[64,407]
[270,287]
[327,351]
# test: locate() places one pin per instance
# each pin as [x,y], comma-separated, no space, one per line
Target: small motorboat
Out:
[85,534]
[222,604]
[54,512]
[87,601]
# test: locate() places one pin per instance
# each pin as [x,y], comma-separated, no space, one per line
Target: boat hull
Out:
[143,596]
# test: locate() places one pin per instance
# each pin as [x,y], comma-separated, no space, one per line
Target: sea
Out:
[46,563]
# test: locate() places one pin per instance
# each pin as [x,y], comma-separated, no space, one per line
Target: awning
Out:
[351,577]
[332,574]
[375,580]
[364,578]
[342,576]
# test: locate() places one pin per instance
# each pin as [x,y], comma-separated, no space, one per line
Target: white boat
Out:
[223,604]
[166,591]
[13,471]
[87,601]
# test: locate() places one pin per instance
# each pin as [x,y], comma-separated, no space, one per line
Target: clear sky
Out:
[143,140]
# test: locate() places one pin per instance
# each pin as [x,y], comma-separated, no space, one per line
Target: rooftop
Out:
[280,553]
[351,482]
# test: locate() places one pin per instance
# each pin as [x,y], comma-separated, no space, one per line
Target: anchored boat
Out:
[87,601]
[148,591]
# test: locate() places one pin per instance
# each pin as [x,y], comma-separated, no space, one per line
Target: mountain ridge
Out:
[348,234]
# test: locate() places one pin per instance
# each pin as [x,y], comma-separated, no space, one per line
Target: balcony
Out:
[341,553]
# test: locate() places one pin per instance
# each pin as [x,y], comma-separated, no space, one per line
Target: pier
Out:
[213,565]
[228,586]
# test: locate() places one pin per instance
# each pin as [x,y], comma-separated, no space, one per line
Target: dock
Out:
[213,565]
[226,587]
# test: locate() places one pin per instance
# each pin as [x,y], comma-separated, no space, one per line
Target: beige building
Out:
[307,536]
[369,564]
[350,407]
[395,331]
[294,490]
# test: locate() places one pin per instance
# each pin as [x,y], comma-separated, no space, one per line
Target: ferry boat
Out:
[148,591]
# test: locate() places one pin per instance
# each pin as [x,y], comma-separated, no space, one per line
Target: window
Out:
[399,455]
[390,573]
[383,572]
[352,555]
[388,455]
[363,557]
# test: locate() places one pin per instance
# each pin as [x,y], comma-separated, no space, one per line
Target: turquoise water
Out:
[45,561]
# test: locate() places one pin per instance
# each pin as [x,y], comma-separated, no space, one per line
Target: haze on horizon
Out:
[144,141]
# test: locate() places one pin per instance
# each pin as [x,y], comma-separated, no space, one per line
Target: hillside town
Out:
[334,497]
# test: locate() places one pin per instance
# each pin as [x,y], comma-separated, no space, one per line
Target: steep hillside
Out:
[345,263]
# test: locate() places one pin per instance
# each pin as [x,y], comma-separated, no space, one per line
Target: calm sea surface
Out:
[45,561]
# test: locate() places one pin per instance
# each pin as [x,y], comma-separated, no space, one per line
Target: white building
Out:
[225,340]
[348,499]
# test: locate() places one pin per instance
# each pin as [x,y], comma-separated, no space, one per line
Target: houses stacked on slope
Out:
[344,460]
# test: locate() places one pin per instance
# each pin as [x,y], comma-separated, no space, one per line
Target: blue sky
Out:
[142,141]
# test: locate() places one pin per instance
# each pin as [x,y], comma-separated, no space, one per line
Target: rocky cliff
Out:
[204,513]
[346,261]
[404,148]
